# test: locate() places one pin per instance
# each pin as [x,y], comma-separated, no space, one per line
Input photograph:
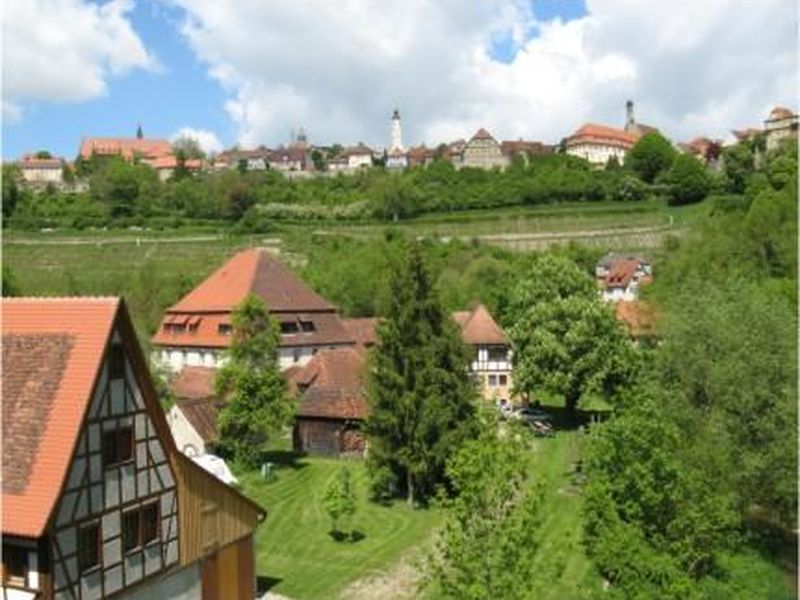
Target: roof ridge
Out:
[61,298]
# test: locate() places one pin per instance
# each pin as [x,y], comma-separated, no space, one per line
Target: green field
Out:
[298,558]
[294,546]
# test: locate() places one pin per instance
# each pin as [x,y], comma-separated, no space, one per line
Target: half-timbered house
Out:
[96,499]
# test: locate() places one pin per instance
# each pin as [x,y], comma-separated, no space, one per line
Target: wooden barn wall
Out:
[210,515]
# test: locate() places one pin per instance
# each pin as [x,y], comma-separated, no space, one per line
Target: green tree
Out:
[188,147]
[43,154]
[256,400]
[12,179]
[650,156]
[422,404]
[339,500]
[738,162]
[566,340]
[393,197]
[689,181]
[488,545]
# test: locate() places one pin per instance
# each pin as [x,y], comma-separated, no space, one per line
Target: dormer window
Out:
[307,326]
[116,361]
[289,327]
[225,329]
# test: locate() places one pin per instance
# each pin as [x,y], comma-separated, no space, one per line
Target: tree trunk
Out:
[410,488]
[571,404]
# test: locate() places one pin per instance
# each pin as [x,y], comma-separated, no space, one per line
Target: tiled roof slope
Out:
[363,330]
[194,383]
[52,351]
[332,385]
[257,271]
[203,415]
[478,327]
[125,147]
[601,133]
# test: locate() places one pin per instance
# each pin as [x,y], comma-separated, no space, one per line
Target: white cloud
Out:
[340,68]
[65,50]
[208,140]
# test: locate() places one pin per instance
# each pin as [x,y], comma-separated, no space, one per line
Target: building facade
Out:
[96,499]
[780,125]
[42,170]
[619,278]
[482,152]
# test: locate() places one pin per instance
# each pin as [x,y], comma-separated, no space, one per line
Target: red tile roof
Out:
[29,161]
[194,383]
[780,112]
[125,147]
[332,385]
[621,272]
[171,162]
[482,134]
[52,351]
[592,132]
[512,147]
[363,330]
[478,327]
[256,271]
[639,318]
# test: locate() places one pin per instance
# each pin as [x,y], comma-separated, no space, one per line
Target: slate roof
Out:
[52,351]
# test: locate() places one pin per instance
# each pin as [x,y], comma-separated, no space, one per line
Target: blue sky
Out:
[238,71]
[179,94]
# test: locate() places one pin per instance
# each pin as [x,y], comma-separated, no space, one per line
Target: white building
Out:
[42,170]
[619,278]
[358,157]
[781,124]
[598,143]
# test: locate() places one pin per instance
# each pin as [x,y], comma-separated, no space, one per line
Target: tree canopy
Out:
[651,156]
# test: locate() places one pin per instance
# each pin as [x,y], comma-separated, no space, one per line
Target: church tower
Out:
[396,135]
[630,121]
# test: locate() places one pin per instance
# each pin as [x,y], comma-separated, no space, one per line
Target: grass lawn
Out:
[294,547]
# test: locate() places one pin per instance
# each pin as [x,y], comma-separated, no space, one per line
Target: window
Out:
[492,380]
[88,547]
[497,353]
[289,327]
[503,380]
[131,522]
[149,523]
[140,526]
[225,328]
[15,565]
[307,326]
[116,361]
[117,446]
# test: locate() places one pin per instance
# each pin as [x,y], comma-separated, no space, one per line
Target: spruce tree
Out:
[422,400]
[257,402]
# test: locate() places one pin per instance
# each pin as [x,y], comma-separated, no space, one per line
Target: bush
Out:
[689,181]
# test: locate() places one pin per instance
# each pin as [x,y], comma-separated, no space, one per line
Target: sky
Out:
[249,72]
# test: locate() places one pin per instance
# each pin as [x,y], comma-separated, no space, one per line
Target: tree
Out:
[257,403]
[612,164]
[339,500]
[650,156]
[188,147]
[488,544]
[689,180]
[393,197]
[12,179]
[43,154]
[566,340]
[422,403]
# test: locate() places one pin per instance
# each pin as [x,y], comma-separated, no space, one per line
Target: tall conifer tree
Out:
[422,399]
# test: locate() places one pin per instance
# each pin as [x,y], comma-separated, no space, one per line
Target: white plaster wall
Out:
[183,584]
[186,437]
[358,160]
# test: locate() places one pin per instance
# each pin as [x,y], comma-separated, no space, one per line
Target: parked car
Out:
[533,414]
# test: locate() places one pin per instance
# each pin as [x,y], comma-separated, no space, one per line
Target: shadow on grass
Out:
[265,584]
[285,459]
[352,537]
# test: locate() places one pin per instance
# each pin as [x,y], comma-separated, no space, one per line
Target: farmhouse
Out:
[196,330]
[96,499]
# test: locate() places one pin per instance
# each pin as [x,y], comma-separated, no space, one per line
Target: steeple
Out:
[139,132]
[396,134]
[630,121]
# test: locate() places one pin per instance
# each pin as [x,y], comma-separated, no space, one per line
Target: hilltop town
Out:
[599,144]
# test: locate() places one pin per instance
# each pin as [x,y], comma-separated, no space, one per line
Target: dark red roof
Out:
[363,330]
[194,383]
[482,134]
[332,385]
[478,327]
